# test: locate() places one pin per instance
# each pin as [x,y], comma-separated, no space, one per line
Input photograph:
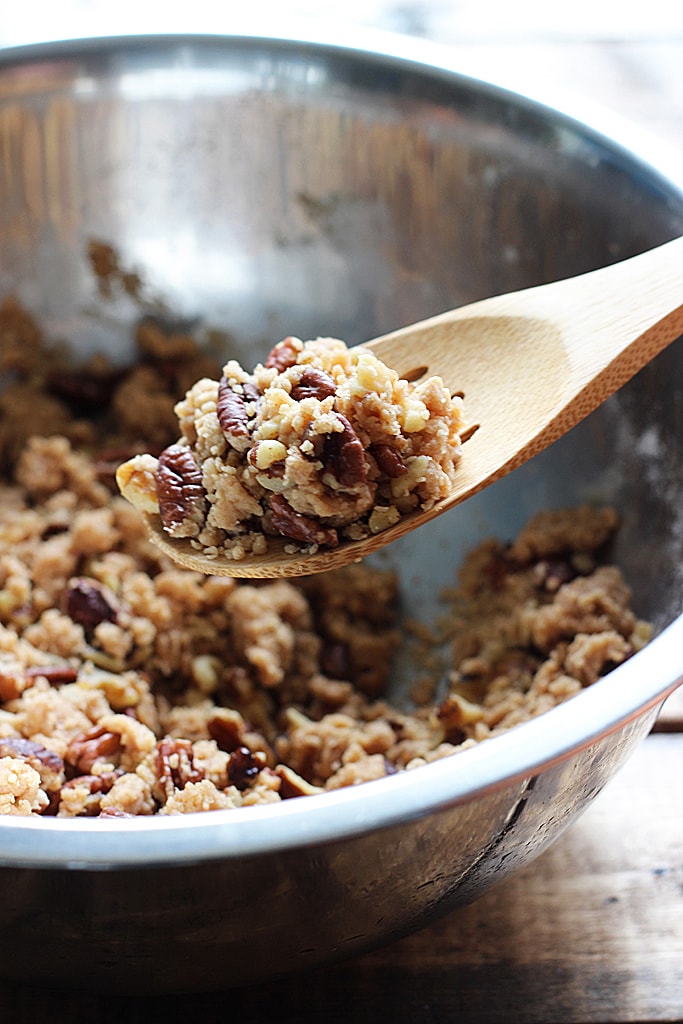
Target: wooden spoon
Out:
[530,364]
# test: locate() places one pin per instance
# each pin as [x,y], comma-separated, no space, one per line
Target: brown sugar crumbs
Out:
[130,687]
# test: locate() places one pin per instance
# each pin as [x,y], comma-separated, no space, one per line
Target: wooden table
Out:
[592,931]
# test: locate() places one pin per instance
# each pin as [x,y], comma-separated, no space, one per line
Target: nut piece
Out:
[35,754]
[292,784]
[97,786]
[94,745]
[182,503]
[267,454]
[314,384]
[226,727]
[56,675]
[136,479]
[88,603]
[454,714]
[388,460]
[174,765]
[232,412]
[296,526]
[244,766]
[343,455]
[13,680]
[382,517]
[284,355]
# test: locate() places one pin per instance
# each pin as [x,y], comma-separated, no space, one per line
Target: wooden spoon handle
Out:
[615,319]
[566,346]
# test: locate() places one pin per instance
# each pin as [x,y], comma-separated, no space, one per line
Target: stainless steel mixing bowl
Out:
[274,186]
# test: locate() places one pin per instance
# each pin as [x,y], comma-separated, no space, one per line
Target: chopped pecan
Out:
[91,746]
[454,714]
[232,412]
[343,455]
[314,383]
[251,391]
[268,457]
[114,812]
[283,355]
[388,460]
[174,765]
[54,528]
[56,675]
[244,766]
[97,785]
[12,680]
[289,523]
[34,753]
[52,808]
[88,603]
[292,785]
[225,727]
[182,500]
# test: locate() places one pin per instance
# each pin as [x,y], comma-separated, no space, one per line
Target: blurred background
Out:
[626,56]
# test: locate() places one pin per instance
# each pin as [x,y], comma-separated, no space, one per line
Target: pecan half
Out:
[34,753]
[243,767]
[88,603]
[174,765]
[91,746]
[314,383]
[283,355]
[344,456]
[289,523]
[232,412]
[182,501]
[388,460]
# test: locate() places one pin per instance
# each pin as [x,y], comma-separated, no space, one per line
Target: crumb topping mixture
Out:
[130,687]
[320,443]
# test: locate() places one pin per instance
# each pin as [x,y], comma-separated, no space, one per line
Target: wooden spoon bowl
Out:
[530,364]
